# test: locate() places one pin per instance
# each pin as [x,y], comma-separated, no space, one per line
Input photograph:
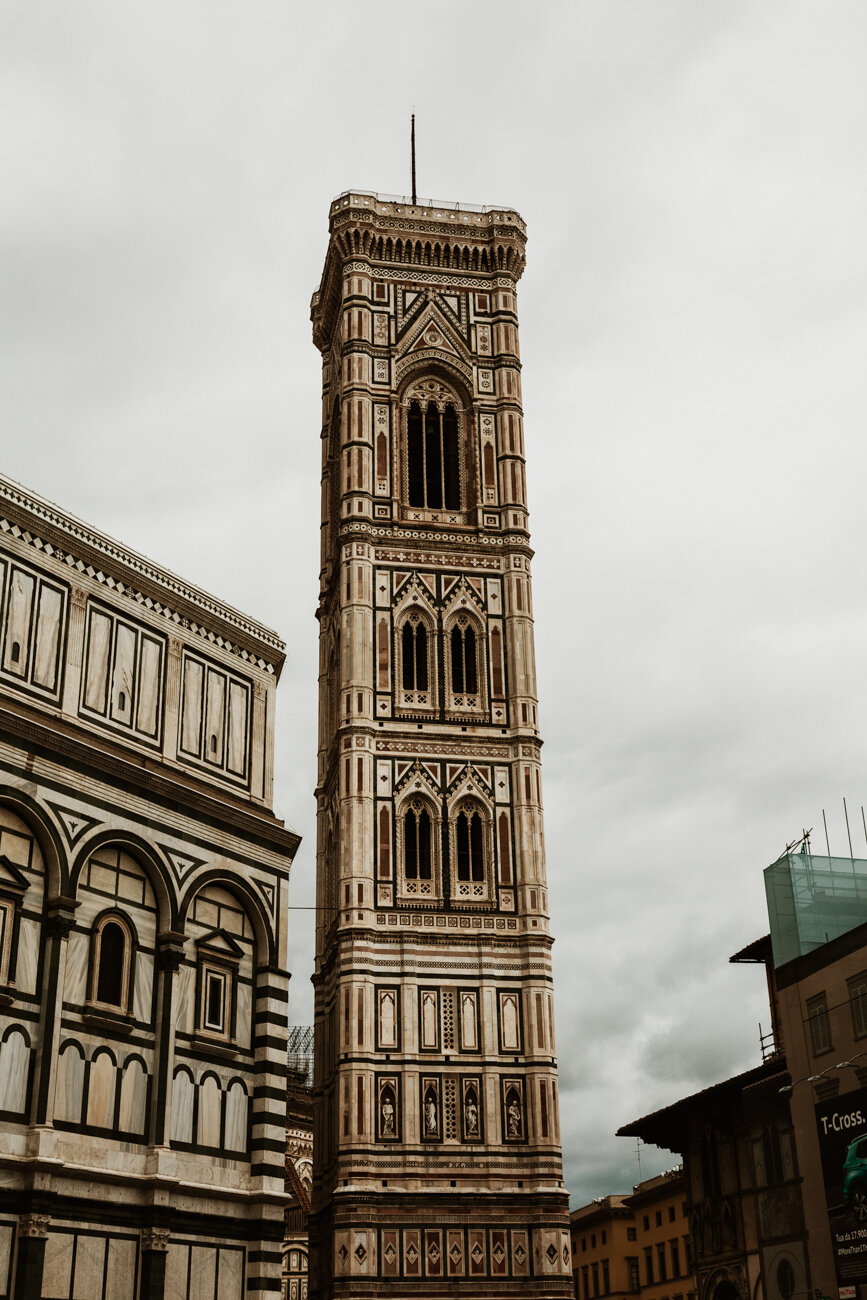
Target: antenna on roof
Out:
[827,842]
[848,832]
[412,149]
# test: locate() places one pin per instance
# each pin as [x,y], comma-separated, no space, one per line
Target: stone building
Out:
[299,1162]
[143,926]
[636,1244]
[743,1184]
[437,1142]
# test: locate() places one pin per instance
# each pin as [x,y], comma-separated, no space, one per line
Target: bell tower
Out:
[437,1139]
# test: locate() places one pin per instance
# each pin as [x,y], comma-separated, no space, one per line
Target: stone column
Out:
[32,1236]
[170,954]
[154,1246]
[59,922]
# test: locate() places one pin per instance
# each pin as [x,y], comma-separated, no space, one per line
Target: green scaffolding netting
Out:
[812,900]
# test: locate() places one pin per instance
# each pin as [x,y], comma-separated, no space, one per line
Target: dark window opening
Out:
[464,671]
[469,844]
[417,844]
[215,1010]
[16,652]
[432,456]
[112,952]
[414,646]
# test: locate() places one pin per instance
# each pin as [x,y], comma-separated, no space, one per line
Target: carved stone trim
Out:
[33,1225]
[155,1238]
[138,564]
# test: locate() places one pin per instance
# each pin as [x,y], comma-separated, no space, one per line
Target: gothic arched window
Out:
[465,675]
[432,445]
[470,847]
[417,843]
[414,649]
[417,851]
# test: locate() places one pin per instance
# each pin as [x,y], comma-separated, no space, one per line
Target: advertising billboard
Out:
[841,1124]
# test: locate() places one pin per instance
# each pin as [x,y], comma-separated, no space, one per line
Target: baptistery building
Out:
[143,927]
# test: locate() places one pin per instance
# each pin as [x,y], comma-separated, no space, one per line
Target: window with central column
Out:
[432,456]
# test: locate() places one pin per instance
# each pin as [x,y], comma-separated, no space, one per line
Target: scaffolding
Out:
[812,900]
[300,1054]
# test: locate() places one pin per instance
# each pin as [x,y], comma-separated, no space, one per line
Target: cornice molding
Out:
[95,553]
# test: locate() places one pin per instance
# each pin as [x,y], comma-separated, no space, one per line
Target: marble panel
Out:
[210,1113]
[7,1231]
[120,1273]
[236,1118]
[231,1275]
[70,1085]
[203,1272]
[19,609]
[89,1267]
[177,1261]
[57,1273]
[48,619]
[215,711]
[133,1098]
[143,986]
[147,715]
[184,999]
[14,1063]
[100,1097]
[77,959]
[244,1015]
[123,675]
[96,668]
[237,730]
[191,713]
[28,954]
[183,1092]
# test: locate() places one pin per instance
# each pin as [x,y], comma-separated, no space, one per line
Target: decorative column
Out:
[154,1247]
[170,955]
[59,923]
[32,1236]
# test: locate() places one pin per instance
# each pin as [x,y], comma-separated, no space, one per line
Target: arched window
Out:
[111,961]
[433,466]
[417,854]
[470,850]
[465,677]
[414,646]
[112,952]
[417,843]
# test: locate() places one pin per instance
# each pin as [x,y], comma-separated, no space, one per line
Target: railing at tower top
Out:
[425,204]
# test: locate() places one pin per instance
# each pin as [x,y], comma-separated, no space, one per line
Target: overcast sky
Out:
[694,332]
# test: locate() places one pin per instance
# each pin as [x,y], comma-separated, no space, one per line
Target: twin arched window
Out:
[433,465]
[463,673]
[419,853]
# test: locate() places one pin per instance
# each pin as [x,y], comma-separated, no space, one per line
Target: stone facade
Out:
[437,1144]
[143,927]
